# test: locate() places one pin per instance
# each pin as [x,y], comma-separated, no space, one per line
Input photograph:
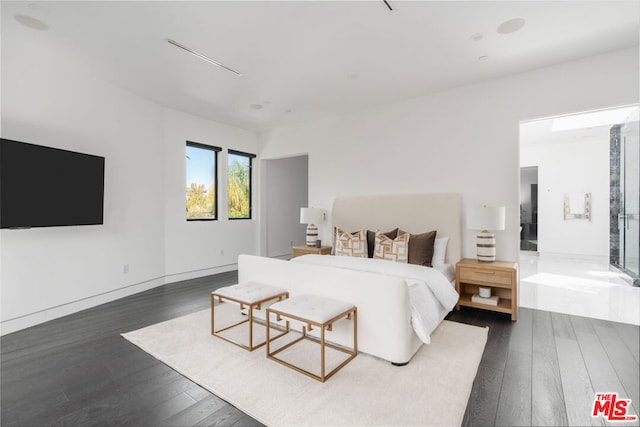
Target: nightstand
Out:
[500,276]
[304,250]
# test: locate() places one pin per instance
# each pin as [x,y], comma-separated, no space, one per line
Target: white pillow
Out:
[439,251]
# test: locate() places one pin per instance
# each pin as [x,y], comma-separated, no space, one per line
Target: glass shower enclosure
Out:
[625,196]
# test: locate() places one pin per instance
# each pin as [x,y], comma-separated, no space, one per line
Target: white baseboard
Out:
[42,316]
[187,275]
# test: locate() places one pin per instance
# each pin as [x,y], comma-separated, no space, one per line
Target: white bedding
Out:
[448,270]
[431,294]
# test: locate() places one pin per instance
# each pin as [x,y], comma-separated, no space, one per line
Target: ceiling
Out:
[592,126]
[307,60]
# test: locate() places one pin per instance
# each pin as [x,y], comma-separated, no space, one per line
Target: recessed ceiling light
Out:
[477,37]
[31,22]
[483,58]
[203,57]
[256,106]
[287,111]
[511,26]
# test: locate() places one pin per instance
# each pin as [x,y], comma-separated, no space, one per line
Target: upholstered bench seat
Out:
[313,311]
[249,293]
[312,308]
[252,295]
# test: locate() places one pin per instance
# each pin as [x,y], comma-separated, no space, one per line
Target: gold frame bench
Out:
[253,296]
[321,312]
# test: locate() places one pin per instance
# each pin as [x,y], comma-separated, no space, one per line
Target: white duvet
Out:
[430,293]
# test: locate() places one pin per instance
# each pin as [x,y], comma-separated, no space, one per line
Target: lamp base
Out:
[312,235]
[486,246]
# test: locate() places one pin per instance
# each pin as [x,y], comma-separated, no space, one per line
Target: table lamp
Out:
[311,217]
[486,219]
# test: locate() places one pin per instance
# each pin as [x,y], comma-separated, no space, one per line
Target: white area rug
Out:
[433,389]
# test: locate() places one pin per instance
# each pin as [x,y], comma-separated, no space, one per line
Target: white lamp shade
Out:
[486,218]
[311,215]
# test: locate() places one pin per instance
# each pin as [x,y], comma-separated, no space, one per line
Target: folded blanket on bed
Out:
[431,294]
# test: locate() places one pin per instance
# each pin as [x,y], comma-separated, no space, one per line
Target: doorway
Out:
[285,189]
[529,208]
[587,223]
[579,186]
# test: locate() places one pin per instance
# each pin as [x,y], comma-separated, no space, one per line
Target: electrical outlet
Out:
[125,268]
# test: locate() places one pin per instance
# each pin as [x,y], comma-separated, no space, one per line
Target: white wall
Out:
[196,248]
[49,97]
[461,140]
[574,167]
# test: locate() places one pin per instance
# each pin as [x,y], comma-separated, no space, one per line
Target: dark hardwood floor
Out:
[78,371]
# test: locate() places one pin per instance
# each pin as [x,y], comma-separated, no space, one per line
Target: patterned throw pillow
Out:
[371,239]
[348,244]
[392,249]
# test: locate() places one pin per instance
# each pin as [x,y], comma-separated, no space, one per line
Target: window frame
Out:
[215,150]
[250,156]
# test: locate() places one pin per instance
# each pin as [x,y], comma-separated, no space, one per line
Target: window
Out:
[239,184]
[202,186]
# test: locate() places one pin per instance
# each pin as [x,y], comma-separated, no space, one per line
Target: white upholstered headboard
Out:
[415,213]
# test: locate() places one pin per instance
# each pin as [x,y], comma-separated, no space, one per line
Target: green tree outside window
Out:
[239,185]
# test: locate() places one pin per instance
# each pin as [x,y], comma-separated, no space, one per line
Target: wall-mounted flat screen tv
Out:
[49,187]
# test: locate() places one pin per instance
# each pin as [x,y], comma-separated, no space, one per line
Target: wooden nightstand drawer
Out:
[304,250]
[501,277]
[485,276]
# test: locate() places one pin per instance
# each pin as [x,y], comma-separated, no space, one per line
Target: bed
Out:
[416,214]
[399,305]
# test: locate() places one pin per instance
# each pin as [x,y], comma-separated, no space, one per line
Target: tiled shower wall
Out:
[614,195]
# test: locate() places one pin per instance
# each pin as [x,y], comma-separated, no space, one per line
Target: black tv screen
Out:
[48,187]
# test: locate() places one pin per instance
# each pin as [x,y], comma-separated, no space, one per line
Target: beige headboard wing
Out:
[415,213]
